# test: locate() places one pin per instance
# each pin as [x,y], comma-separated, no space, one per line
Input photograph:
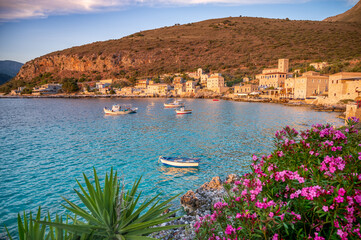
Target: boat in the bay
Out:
[179,161]
[174,104]
[117,110]
[215,100]
[182,110]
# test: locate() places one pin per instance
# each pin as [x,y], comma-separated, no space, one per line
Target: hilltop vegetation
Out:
[238,46]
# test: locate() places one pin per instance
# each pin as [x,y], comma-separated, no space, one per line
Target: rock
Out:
[189,201]
[231,178]
[214,184]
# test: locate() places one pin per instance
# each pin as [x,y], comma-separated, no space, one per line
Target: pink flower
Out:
[341,192]
[325,208]
[271,214]
[238,215]
[342,234]
[254,158]
[318,237]
[230,230]
[275,237]
[280,153]
[339,199]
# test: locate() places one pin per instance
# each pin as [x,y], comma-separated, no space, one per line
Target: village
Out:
[273,84]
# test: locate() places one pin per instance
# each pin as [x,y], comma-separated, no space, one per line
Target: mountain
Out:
[352,15]
[8,70]
[236,45]
[4,78]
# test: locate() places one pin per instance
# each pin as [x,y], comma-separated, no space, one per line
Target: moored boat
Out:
[215,100]
[179,161]
[174,104]
[117,110]
[183,111]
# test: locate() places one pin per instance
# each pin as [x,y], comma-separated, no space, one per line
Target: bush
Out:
[309,187]
[70,85]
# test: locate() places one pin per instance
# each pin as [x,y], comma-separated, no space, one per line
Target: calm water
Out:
[45,144]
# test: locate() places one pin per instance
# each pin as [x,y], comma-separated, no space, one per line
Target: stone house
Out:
[126,91]
[215,83]
[319,65]
[246,88]
[344,85]
[103,83]
[274,77]
[178,80]
[310,84]
[179,88]
[158,89]
[17,91]
[289,87]
[143,83]
[51,88]
[191,87]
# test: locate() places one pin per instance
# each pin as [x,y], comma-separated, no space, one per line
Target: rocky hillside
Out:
[352,15]
[240,45]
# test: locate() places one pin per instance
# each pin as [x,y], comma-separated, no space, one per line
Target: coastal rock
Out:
[189,201]
[214,184]
[231,178]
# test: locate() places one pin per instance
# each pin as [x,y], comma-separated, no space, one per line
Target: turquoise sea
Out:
[45,144]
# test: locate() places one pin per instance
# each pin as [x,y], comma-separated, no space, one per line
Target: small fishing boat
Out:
[174,104]
[179,161]
[117,110]
[215,100]
[183,111]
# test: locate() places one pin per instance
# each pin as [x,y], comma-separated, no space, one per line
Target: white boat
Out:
[117,110]
[174,104]
[183,111]
[179,161]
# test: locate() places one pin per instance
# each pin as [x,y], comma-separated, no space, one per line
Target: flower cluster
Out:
[308,188]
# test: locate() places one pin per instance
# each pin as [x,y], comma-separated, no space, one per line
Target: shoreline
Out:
[319,108]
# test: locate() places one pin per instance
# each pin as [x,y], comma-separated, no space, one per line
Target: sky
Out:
[32,28]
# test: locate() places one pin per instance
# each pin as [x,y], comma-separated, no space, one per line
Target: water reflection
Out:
[177,172]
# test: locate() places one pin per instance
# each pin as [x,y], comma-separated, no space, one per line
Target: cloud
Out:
[20,9]
[352,2]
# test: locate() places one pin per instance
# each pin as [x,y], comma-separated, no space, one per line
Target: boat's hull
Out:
[173,105]
[178,163]
[183,112]
[121,112]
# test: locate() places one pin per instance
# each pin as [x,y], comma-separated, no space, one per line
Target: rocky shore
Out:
[196,204]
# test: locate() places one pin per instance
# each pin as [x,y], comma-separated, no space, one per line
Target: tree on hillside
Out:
[70,85]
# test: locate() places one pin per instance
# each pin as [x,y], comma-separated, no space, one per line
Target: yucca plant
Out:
[112,213]
[32,229]
[29,229]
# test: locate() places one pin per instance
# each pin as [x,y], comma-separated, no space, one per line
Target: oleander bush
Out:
[308,188]
[107,212]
